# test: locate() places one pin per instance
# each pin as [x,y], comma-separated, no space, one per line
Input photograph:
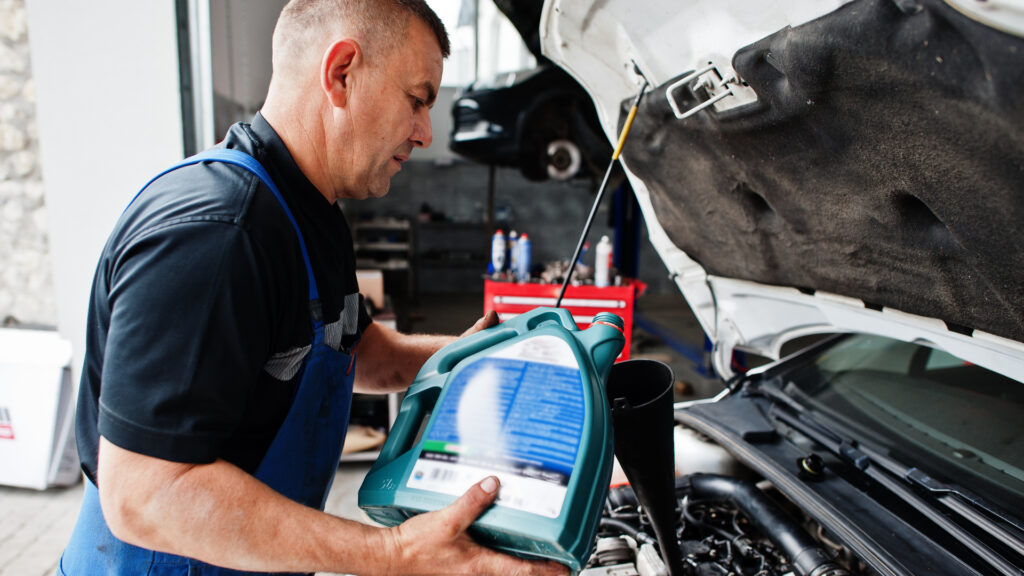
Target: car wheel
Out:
[564,159]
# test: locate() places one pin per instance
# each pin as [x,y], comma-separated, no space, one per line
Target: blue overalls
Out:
[300,463]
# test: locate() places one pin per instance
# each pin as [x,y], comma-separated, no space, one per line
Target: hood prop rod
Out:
[604,184]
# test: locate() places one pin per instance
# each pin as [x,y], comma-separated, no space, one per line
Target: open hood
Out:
[524,16]
[860,169]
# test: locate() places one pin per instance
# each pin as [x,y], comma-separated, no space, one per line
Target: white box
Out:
[37,410]
[371,286]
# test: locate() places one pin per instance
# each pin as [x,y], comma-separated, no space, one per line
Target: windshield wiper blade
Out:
[882,468]
[954,497]
[967,505]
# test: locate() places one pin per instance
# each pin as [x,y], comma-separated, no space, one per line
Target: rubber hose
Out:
[640,537]
[807,557]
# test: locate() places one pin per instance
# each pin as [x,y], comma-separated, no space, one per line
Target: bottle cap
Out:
[609,319]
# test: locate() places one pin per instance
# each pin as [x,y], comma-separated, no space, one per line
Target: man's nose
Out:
[422,136]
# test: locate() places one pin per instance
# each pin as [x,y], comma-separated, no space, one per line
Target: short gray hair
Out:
[381,23]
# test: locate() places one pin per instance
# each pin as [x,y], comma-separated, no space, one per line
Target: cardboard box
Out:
[37,410]
[371,286]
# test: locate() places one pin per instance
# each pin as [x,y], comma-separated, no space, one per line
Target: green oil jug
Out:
[523,401]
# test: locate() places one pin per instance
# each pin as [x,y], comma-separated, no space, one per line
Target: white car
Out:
[818,167]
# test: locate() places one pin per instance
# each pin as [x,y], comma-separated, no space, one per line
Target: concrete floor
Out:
[35,526]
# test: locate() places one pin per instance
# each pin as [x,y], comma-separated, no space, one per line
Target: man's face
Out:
[391,115]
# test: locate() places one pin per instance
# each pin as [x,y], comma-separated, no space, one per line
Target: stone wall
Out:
[26,276]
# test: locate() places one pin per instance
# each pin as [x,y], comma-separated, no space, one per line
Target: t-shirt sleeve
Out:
[188,331]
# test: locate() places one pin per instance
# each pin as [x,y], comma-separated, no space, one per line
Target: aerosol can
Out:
[523,259]
[603,263]
[498,249]
[523,401]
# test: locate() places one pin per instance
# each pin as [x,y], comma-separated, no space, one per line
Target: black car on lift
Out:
[539,120]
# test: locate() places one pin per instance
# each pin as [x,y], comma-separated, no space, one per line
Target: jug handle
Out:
[418,401]
[461,349]
[421,397]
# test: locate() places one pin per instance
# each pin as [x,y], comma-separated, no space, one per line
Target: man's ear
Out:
[339,60]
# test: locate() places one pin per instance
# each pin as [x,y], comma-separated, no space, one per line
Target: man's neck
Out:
[305,141]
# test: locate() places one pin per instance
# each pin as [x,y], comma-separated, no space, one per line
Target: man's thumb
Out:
[485,321]
[488,320]
[474,502]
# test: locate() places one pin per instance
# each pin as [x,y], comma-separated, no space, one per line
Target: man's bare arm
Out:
[221,515]
[389,360]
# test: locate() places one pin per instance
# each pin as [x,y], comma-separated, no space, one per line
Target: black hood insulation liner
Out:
[884,160]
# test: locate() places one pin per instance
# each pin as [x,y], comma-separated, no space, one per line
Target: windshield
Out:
[931,410]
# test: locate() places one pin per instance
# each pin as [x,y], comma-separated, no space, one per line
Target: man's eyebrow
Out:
[431,93]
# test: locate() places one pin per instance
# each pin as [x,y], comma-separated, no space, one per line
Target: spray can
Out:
[583,252]
[603,262]
[523,259]
[498,252]
[524,401]
[512,254]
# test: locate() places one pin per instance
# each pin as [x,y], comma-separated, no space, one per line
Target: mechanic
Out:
[225,323]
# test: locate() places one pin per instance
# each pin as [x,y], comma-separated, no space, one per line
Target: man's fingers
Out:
[489,319]
[463,512]
[486,321]
[538,568]
[472,504]
[551,568]
[505,565]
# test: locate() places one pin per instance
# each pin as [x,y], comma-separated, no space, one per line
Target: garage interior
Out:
[834,185]
[429,239]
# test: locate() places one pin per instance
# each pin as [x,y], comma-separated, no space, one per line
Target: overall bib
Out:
[300,463]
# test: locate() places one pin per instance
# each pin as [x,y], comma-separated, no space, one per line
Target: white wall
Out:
[109,118]
[501,48]
[241,32]
[441,127]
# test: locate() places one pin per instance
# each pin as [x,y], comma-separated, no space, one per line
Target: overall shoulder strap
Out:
[239,158]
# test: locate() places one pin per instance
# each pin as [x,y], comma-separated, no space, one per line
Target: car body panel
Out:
[867,178]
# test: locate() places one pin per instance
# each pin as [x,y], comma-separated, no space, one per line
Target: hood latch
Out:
[717,85]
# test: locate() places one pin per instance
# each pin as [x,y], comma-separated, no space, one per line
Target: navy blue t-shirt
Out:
[199,317]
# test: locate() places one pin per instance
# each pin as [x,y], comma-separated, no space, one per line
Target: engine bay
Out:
[819,464]
[726,524]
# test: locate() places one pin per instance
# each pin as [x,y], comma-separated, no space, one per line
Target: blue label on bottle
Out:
[519,417]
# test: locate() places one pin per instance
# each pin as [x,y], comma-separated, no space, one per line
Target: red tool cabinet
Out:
[510,299]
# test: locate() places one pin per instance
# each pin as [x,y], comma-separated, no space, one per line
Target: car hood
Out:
[866,173]
[524,15]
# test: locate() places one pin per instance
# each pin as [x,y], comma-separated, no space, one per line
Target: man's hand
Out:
[388,360]
[488,320]
[437,542]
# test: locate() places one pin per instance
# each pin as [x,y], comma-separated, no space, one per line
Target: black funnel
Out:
[640,394]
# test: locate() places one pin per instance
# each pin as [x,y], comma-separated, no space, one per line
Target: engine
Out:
[725,525]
